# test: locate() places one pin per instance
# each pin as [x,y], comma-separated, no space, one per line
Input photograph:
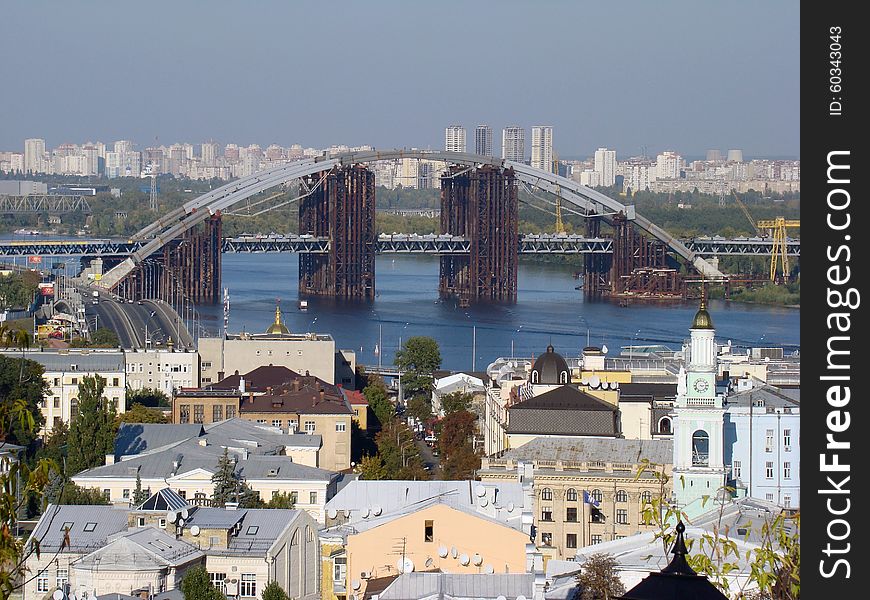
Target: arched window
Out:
[646,497]
[596,495]
[700,449]
[534,377]
[665,425]
[571,495]
[546,494]
[563,376]
[621,496]
[73,408]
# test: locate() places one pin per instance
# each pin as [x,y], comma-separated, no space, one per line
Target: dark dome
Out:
[550,369]
[702,319]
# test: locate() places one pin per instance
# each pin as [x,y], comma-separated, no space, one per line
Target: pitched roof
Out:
[305,395]
[135,438]
[647,391]
[89,526]
[447,586]
[140,549]
[89,361]
[164,500]
[257,528]
[258,380]
[594,449]
[564,397]
[770,395]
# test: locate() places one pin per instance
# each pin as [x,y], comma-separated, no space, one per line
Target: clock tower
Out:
[699,469]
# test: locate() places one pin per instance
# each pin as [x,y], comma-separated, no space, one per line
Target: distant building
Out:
[34,153]
[605,165]
[542,147]
[513,144]
[483,140]
[454,138]
[668,165]
[163,369]
[735,156]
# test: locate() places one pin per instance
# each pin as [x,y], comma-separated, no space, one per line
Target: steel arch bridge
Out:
[586,201]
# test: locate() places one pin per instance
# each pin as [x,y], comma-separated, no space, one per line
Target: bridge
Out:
[395,244]
[337,243]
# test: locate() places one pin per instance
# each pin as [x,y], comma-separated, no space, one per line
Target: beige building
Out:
[315,353]
[164,370]
[65,369]
[586,491]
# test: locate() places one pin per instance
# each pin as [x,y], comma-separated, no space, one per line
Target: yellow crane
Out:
[778,230]
[560,225]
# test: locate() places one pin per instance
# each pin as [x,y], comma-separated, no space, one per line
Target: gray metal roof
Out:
[258,528]
[91,361]
[107,521]
[594,449]
[771,396]
[135,438]
[448,586]
[164,500]
[564,422]
[140,549]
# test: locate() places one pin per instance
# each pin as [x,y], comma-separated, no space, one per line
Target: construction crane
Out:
[560,225]
[777,229]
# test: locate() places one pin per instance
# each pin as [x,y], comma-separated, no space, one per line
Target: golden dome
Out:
[277,328]
[702,319]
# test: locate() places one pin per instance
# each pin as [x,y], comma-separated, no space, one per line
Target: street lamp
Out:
[631,348]
[585,322]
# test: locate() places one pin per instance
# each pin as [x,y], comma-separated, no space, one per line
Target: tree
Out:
[139,495]
[196,585]
[74,494]
[22,380]
[142,414]
[418,358]
[273,591]
[599,579]
[457,430]
[420,407]
[372,468]
[105,337]
[225,480]
[455,402]
[376,395]
[92,433]
[152,398]
[461,464]
[282,500]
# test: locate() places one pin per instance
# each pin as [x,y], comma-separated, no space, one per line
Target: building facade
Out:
[542,148]
[164,370]
[605,166]
[483,140]
[513,144]
[454,138]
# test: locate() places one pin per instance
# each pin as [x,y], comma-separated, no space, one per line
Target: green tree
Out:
[455,402]
[273,591]
[105,337]
[281,500]
[376,395]
[142,414]
[74,494]
[196,585]
[92,433]
[139,495]
[461,464]
[371,467]
[225,480]
[419,358]
[420,407]
[152,398]
[599,578]
[54,446]
[21,380]
[457,430]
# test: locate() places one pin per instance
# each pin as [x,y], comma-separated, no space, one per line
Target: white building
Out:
[668,165]
[590,178]
[513,144]
[64,371]
[164,370]
[454,138]
[638,176]
[542,147]
[483,140]
[34,153]
[605,165]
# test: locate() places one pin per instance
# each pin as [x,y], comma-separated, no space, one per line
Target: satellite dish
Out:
[405,565]
[484,501]
[365,513]
[355,584]
[181,522]
[453,552]
[443,551]
[584,381]
[477,559]
[347,512]
[57,595]
[489,569]
[194,530]
[463,560]
[595,381]
[376,510]
[511,507]
[171,516]
[430,561]
[481,491]
[603,350]
[332,513]
[521,597]
[185,514]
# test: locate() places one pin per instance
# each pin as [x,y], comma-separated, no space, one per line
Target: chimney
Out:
[322,394]
[296,384]
[242,384]
[251,397]
[110,459]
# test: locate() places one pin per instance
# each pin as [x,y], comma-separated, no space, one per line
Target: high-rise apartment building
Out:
[209,152]
[513,144]
[483,140]
[605,165]
[668,165]
[34,151]
[454,138]
[542,147]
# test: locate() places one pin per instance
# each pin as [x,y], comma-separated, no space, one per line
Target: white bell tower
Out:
[699,469]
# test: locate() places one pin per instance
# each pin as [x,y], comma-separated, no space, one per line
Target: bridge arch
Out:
[589,202]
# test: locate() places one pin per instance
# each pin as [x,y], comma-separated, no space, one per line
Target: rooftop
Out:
[594,449]
[71,360]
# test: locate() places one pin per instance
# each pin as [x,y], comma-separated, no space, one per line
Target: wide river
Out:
[548,310]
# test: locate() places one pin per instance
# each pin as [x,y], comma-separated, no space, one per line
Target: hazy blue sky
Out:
[684,75]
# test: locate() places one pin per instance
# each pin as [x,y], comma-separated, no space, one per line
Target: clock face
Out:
[701,385]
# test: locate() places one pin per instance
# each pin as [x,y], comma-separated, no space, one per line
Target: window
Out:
[700,448]
[248,586]
[252,530]
[90,526]
[768,497]
[261,421]
[768,443]
[596,516]
[665,425]
[736,469]
[206,365]
[546,494]
[546,539]
[62,578]
[184,413]
[596,538]
[56,400]
[622,496]
[768,469]
[339,568]
[571,540]
[429,531]
[140,521]
[341,426]
[786,501]
[276,423]
[786,470]
[596,495]
[74,380]
[571,515]
[125,494]
[786,439]
[183,494]
[646,497]
[73,408]
[42,583]
[622,516]
[547,514]
[198,413]
[67,525]
[217,580]
[114,382]
[312,497]
[231,412]
[294,497]
[571,495]
[309,426]
[57,382]
[162,523]
[217,412]
[107,494]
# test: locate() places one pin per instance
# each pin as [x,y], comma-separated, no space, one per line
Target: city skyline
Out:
[176,91]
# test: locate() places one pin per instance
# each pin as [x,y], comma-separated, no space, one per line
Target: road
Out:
[136,321]
[429,459]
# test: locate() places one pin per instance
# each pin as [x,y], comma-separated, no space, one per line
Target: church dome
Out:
[277,328]
[550,369]
[702,319]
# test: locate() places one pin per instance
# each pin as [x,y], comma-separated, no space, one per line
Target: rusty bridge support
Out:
[342,208]
[482,206]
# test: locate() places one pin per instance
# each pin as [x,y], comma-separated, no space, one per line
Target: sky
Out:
[627,75]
